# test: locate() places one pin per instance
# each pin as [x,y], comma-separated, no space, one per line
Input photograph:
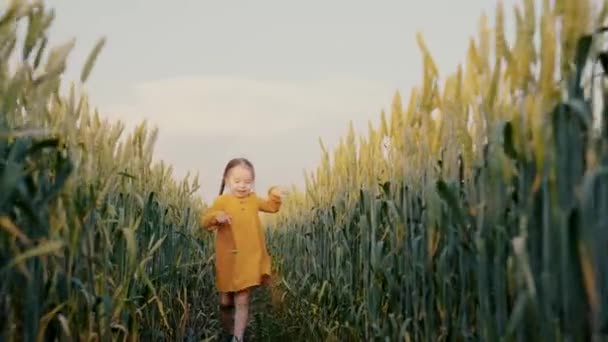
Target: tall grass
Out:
[435,229]
[97,242]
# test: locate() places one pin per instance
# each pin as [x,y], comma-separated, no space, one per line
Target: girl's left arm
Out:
[272,204]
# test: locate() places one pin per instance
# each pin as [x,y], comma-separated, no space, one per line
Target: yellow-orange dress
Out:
[241,257]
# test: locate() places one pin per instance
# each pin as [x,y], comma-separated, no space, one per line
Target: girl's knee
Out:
[240,308]
[241,304]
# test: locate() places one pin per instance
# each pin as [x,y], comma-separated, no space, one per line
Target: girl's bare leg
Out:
[226,306]
[241,315]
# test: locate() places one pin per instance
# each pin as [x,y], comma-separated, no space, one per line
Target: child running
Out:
[241,259]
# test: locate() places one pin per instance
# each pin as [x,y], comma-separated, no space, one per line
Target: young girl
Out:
[241,259]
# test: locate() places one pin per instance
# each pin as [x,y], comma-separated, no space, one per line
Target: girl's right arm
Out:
[209,219]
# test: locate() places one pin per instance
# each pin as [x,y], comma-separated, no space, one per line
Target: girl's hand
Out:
[223,218]
[279,191]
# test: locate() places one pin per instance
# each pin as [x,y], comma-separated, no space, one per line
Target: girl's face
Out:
[240,181]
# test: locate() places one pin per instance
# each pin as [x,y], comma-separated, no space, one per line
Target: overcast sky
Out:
[261,79]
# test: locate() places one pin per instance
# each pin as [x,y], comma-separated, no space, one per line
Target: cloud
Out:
[226,106]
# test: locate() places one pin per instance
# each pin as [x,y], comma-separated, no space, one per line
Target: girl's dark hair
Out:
[234,163]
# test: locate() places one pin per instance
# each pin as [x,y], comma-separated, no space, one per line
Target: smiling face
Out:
[240,181]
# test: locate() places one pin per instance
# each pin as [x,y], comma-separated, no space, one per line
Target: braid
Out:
[222,186]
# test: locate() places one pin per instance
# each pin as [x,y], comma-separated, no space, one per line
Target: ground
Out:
[264,323]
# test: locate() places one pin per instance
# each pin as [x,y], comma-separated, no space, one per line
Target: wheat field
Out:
[475,211]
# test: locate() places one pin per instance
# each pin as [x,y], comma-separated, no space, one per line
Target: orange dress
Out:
[241,257]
